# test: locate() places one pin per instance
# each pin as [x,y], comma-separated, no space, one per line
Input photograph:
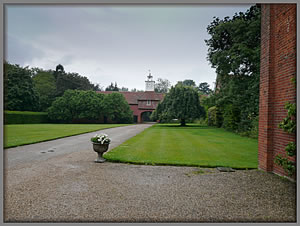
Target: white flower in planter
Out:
[101,139]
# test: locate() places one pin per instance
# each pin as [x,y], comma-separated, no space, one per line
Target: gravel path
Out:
[70,187]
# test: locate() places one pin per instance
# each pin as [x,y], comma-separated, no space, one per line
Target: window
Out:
[148,102]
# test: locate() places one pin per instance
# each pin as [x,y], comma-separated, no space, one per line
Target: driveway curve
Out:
[66,185]
[43,151]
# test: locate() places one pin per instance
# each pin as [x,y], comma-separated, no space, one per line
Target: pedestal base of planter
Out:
[100,159]
[100,149]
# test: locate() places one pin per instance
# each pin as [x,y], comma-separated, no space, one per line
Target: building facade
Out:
[142,103]
[277,68]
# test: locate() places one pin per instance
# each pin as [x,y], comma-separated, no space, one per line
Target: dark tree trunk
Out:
[182,122]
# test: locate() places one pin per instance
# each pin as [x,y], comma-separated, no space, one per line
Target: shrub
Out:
[201,121]
[25,117]
[212,116]
[231,117]
[117,109]
[252,131]
[77,106]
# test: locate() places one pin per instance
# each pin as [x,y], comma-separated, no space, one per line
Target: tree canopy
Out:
[35,89]
[182,103]
[75,105]
[234,50]
[187,82]
[117,109]
[44,83]
[112,87]
[234,46]
[204,88]
[65,81]
[19,91]
[162,85]
[89,106]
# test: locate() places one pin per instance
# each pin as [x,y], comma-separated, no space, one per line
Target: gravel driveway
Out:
[69,187]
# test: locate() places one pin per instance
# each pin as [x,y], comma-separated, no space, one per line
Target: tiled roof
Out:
[133,97]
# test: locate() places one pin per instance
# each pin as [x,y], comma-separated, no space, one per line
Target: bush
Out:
[201,121]
[212,116]
[252,132]
[77,106]
[117,109]
[231,117]
[25,117]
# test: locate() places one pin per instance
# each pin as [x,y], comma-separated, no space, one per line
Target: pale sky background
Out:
[120,44]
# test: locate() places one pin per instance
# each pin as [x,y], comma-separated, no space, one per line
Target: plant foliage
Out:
[289,125]
[182,103]
[234,51]
[19,91]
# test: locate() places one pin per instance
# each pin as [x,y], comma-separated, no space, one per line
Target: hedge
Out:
[25,117]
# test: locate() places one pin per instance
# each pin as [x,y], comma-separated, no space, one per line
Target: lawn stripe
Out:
[195,146]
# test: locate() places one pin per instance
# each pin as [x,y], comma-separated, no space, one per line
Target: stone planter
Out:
[100,149]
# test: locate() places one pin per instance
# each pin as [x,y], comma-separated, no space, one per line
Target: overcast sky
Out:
[115,43]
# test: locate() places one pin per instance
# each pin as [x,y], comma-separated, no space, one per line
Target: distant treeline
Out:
[66,97]
[35,89]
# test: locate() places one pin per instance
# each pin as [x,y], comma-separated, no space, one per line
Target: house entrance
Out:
[146,116]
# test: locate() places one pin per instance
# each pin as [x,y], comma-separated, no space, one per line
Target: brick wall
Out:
[278,66]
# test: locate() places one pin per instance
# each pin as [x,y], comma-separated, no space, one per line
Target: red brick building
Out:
[277,67]
[142,103]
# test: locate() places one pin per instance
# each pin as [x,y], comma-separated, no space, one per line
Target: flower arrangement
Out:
[100,139]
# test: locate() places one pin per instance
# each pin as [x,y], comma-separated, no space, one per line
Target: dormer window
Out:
[148,102]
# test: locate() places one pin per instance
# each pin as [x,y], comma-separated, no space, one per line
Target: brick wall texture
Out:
[278,66]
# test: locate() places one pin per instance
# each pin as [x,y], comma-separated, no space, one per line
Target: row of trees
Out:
[35,89]
[67,97]
[164,85]
[234,51]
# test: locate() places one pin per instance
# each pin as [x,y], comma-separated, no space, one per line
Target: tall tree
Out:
[44,83]
[234,46]
[65,81]
[116,88]
[189,82]
[234,50]
[162,85]
[60,69]
[181,102]
[204,88]
[19,91]
[111,87]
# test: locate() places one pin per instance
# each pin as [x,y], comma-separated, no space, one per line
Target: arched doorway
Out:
[145,116]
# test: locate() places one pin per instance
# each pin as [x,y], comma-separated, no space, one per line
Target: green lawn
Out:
[20,134]
[193,146]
